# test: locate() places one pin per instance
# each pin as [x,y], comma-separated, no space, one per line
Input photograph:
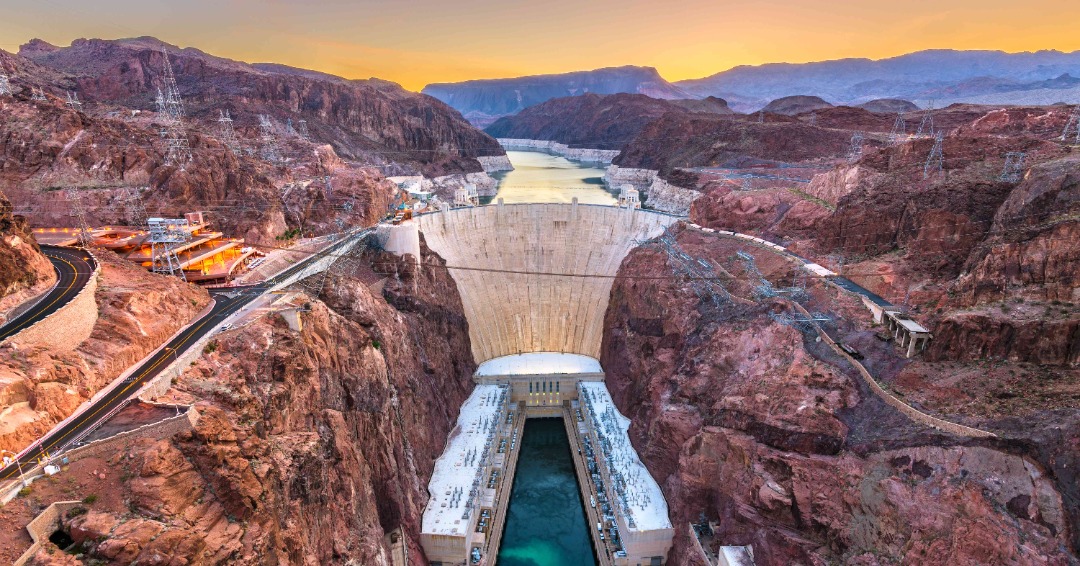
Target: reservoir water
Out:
[542,177]
[545,521]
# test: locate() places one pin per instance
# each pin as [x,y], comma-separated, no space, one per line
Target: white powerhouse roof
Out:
[462,459]
[643,499]
[539,363]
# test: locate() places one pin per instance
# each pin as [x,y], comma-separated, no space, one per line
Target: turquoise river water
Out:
[545,522]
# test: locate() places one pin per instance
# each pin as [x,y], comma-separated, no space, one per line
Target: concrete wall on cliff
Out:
[521,307]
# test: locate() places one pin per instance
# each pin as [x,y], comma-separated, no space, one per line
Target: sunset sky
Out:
[415,42]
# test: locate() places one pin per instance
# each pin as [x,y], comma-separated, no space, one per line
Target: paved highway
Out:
[73,271]
[227,302]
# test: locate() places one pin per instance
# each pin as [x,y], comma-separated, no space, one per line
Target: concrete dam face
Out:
[522,285]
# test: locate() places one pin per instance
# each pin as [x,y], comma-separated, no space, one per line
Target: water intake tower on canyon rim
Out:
[535,281]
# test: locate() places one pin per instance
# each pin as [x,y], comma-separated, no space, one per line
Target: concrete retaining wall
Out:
[69,326]
[576,153]
[165,428]
[43,526]
[531,302]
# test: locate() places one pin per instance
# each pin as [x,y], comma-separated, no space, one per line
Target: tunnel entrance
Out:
[545,523]
[61,539]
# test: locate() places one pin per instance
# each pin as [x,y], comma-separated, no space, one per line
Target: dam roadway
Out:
[226,303]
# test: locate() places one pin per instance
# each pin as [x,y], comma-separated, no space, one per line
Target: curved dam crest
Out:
[550,308]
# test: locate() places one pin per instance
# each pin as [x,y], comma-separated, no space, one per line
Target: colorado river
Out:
[541,177]
[545,522]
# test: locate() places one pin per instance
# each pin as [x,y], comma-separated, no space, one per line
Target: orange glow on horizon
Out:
[424,41]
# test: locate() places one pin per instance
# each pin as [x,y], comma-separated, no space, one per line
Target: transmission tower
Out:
[171,107]
[935,161]
[813,119]
[82,229]
[73,101]
[1073,125]
[228,135]
[761,117]
[37,94]
[926,126]
[1014,167]
[165,234]
[302,128]
[269,140]
[289,130]
[5,86]
[133,196]
[856,146]
[899,129]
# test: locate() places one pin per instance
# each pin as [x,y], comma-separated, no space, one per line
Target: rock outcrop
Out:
[312,445]
[24,271]
[793,105]
[753,424]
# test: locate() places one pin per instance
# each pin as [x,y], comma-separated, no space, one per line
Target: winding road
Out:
[73,271]
[226,302]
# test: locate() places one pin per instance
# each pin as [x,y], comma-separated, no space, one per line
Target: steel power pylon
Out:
[1014,167]
[133,195]
[73,101]
[165,234]
[171,106]
[1072,125]
[37,94]
[228,134]
[269,140]
[301,128]
[899,129]
[5,86]
[856,150]
[935,161]
[82,229]
[926,125]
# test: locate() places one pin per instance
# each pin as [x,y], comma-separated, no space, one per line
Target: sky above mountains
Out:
[416,42]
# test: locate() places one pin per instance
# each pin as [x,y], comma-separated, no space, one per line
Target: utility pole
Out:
[171,105]
[926,126]
[73,101]
[934,161]
[228,134]
[1014,167]
[82,229]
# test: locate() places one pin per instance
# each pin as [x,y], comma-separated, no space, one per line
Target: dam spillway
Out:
[537,277]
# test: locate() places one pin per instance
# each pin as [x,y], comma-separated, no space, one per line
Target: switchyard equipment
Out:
[165,234]
[698,272]
[1014,167]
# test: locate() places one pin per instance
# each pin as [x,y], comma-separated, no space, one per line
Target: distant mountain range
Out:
[484,101]
[940,75]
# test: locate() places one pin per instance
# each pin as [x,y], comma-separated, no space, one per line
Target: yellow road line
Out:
[67,289]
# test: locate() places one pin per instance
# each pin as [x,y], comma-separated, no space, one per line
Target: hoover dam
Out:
[534,280]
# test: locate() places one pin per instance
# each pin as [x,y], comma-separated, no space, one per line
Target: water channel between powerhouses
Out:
[545,522]
[542,177]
